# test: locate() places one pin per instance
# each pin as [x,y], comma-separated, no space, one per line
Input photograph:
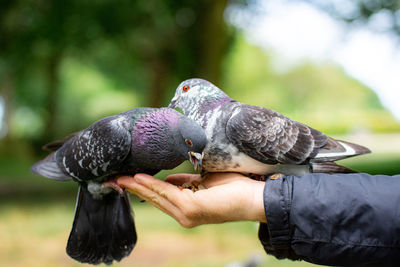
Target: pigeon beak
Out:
[173,102]
[195,159]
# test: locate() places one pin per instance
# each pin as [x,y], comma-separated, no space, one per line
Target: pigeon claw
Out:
[114,185]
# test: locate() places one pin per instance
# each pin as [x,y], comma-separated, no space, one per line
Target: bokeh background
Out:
[333,65]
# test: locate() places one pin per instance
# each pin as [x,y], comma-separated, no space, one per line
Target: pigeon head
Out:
[193,95]
[191,141]
[165,138]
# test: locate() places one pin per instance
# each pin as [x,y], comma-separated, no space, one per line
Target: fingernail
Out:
[125,180]
[140,177]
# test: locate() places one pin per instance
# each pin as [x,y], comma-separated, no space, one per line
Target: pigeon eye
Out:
[186,88]
[188,142]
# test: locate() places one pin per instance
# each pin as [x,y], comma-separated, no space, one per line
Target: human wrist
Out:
[257,207]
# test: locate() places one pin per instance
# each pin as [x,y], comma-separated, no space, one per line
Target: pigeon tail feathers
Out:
[337,149]
[330,167]
[103,229]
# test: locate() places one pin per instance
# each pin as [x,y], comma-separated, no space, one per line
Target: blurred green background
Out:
[66,64]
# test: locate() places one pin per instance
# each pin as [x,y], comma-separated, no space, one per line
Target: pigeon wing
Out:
[53,146]
[97,151]
[272,138]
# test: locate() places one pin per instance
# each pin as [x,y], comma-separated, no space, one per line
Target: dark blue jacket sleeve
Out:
[333,219]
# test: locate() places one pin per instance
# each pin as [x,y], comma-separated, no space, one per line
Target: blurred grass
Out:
[382,163]
[37,213]
[36,235]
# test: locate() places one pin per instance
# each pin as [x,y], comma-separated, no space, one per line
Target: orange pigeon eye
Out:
[186,88]
[188,142]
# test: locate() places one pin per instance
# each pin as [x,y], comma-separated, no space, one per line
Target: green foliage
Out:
[89,95]
[364,12]
[64,65]
[132,52]
[322,96]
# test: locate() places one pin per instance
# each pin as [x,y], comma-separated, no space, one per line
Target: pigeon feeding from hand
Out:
[256,140]
[140,140]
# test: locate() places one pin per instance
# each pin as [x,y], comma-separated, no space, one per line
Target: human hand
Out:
[227,197]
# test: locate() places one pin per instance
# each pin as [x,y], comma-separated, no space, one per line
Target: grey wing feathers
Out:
[49,168]
[98,150]
[270,137]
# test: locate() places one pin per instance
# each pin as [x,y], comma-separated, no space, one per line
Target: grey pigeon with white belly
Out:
[140,140]
[256,140]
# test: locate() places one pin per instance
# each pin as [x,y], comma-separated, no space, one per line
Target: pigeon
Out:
[139,140]
[255,140]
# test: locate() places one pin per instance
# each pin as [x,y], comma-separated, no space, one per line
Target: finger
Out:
[125,181]
[178,200]
[149,196]
[181,178]
[169,191]
[141,180]
[131,185]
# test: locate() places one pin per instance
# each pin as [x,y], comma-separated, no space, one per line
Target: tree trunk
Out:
[213,41]
[157,89]
[7,92]
[52,69]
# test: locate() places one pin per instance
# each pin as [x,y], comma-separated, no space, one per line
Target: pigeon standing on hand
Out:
[140,140]
[256,140]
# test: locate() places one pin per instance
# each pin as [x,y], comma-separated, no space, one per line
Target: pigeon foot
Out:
[114,185]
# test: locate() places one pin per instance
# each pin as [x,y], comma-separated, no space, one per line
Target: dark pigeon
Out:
[256,140]
[142,140]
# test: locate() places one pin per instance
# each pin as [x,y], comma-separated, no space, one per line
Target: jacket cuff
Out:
[275,236]
[277,202]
